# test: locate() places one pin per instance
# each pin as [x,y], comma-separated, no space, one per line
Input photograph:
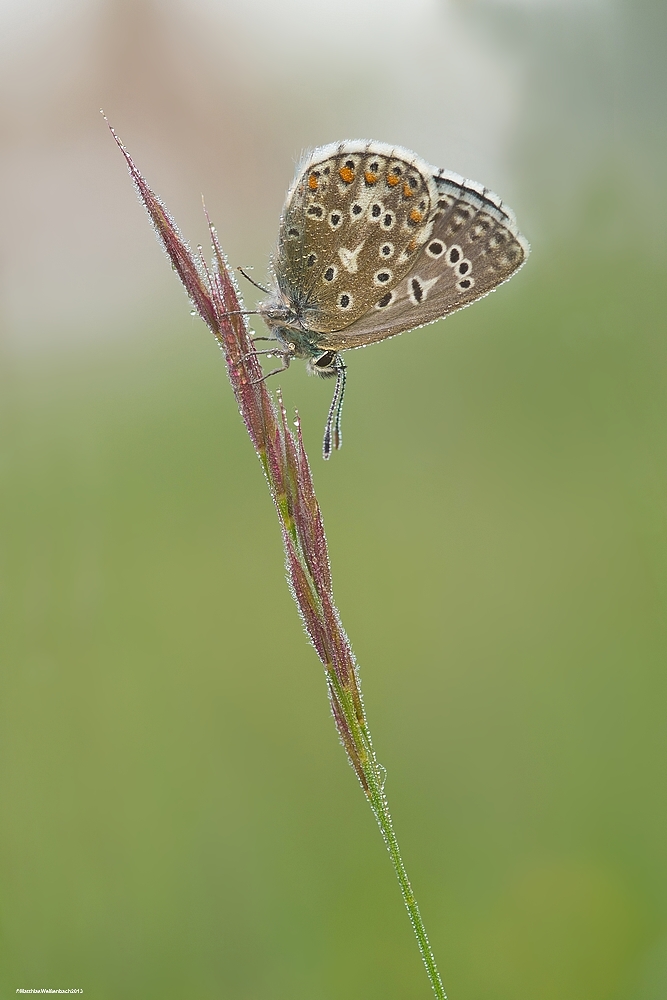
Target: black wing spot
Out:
[385,300]
[417,290]
[454,255]
[435,248]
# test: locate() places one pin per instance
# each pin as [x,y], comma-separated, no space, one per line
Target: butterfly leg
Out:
[255,354]
[286,358]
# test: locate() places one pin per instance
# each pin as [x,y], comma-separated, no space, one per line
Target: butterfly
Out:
[374,241]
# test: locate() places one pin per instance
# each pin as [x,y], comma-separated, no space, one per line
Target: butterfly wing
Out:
[355,221]
[474,246]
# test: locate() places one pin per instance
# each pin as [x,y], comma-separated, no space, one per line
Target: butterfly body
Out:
[374,241]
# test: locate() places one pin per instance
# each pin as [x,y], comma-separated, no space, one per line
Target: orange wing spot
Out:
[370,178]
[393,179]
[407,191]
[416,215]
[313,182]
[412,245]
[347,174]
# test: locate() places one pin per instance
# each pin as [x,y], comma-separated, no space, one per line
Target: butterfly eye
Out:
[464,284]
[382,277]
[330,273]
[345,301]
[335,219]
[375,211]
[388,220]
[435,249]
[325,361]
[464,267]
[386,250]
[356,209]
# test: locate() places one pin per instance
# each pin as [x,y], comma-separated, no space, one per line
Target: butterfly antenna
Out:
[333,437]
[252,282]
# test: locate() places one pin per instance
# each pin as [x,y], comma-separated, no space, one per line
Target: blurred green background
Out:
[178,818]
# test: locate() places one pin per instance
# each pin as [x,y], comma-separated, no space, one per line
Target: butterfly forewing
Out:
[355,224]
[472,248]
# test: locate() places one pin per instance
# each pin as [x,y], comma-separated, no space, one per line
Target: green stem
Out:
[375,777]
